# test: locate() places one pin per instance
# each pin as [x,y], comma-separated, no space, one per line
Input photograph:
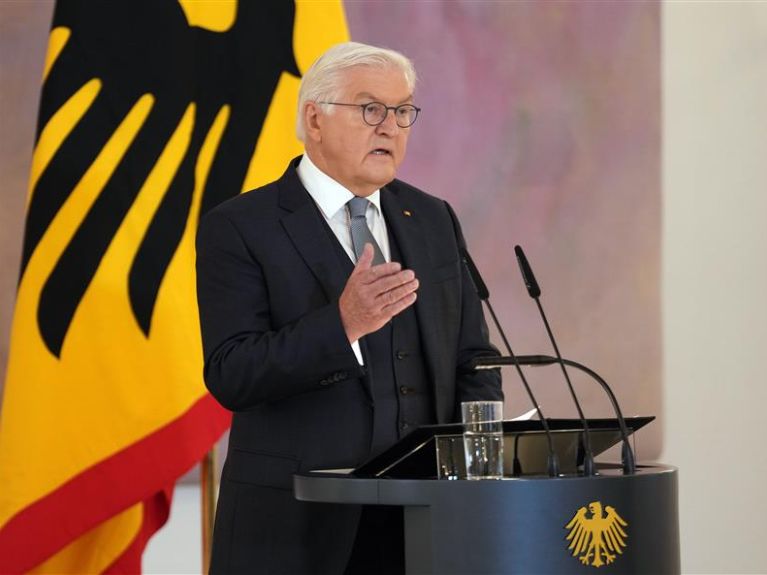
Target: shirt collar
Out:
[327,193]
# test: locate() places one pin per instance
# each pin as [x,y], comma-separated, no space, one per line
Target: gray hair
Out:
[322,81]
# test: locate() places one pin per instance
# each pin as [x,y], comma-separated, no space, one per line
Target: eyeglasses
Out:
[374,113]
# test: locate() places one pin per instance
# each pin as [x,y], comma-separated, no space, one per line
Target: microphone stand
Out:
[535,291]
[627,453]
[484,296]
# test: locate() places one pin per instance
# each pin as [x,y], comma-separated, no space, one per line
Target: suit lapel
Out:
[410,235]
[304,226]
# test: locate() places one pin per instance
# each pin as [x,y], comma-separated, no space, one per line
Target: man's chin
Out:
[381,182]
[382,174]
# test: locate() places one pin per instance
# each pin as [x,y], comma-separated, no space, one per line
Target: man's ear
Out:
[312,121]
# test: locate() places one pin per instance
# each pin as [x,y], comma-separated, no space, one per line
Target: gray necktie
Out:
[361,233]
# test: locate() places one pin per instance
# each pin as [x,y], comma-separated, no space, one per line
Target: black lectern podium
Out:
[528,524]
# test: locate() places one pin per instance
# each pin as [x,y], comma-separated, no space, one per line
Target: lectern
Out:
[526,523]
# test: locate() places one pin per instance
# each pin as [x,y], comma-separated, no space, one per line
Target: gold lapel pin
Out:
[407,213]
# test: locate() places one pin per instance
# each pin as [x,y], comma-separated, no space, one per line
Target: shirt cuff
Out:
[357,351]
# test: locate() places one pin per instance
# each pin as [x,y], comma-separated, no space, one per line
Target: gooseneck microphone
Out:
[627,454]
[535,292]
[484,296]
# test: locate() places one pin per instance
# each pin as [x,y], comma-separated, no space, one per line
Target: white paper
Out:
[526,416]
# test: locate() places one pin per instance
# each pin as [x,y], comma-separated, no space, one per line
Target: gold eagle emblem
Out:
[598,539]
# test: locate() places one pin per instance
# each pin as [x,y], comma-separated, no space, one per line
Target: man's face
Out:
[361,157]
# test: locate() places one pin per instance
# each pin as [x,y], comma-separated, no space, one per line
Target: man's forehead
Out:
[367,83]
[370,96]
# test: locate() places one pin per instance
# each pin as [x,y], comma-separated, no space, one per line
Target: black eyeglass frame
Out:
[387,108]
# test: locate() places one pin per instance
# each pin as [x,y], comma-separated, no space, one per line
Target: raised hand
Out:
[375,294]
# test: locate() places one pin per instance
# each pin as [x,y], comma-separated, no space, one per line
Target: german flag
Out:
[152,112]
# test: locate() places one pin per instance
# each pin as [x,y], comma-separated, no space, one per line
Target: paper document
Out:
[526,416]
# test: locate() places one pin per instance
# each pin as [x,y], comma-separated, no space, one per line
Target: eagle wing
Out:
[613,533]
[580,534]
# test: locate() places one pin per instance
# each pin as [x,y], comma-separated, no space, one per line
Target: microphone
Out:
[535,292]
[477,281]
[627,453]
[484,296]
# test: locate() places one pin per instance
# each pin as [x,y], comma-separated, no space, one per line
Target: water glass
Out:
[483,439]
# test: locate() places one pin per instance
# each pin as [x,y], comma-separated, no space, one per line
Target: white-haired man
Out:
[336,317]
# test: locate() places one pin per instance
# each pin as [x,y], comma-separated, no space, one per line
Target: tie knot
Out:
[357,206]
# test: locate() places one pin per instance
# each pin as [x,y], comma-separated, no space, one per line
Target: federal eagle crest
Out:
[597,539]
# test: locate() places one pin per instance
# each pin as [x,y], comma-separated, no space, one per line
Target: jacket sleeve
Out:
[249,361]
[473,341]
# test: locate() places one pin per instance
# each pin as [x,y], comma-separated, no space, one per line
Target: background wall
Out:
[715,279]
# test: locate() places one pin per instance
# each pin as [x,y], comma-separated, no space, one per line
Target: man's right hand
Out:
[374,294]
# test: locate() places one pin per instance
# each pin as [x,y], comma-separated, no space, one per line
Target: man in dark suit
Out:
[336,317]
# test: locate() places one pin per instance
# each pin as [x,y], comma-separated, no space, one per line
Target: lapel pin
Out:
[407,213]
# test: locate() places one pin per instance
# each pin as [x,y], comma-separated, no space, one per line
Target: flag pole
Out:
[208,488]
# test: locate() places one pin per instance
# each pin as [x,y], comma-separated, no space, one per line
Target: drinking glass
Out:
[483,439]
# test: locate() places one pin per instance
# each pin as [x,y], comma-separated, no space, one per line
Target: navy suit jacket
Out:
[268,280]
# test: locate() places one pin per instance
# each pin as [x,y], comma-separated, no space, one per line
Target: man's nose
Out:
[389,125]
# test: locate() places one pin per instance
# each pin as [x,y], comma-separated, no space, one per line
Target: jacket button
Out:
[404,390]
[400,354]
[324,382]
[404,426]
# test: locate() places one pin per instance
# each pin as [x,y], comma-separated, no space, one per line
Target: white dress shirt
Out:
[331,198]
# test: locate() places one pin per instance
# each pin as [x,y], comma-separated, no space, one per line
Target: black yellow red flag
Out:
[151,113]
